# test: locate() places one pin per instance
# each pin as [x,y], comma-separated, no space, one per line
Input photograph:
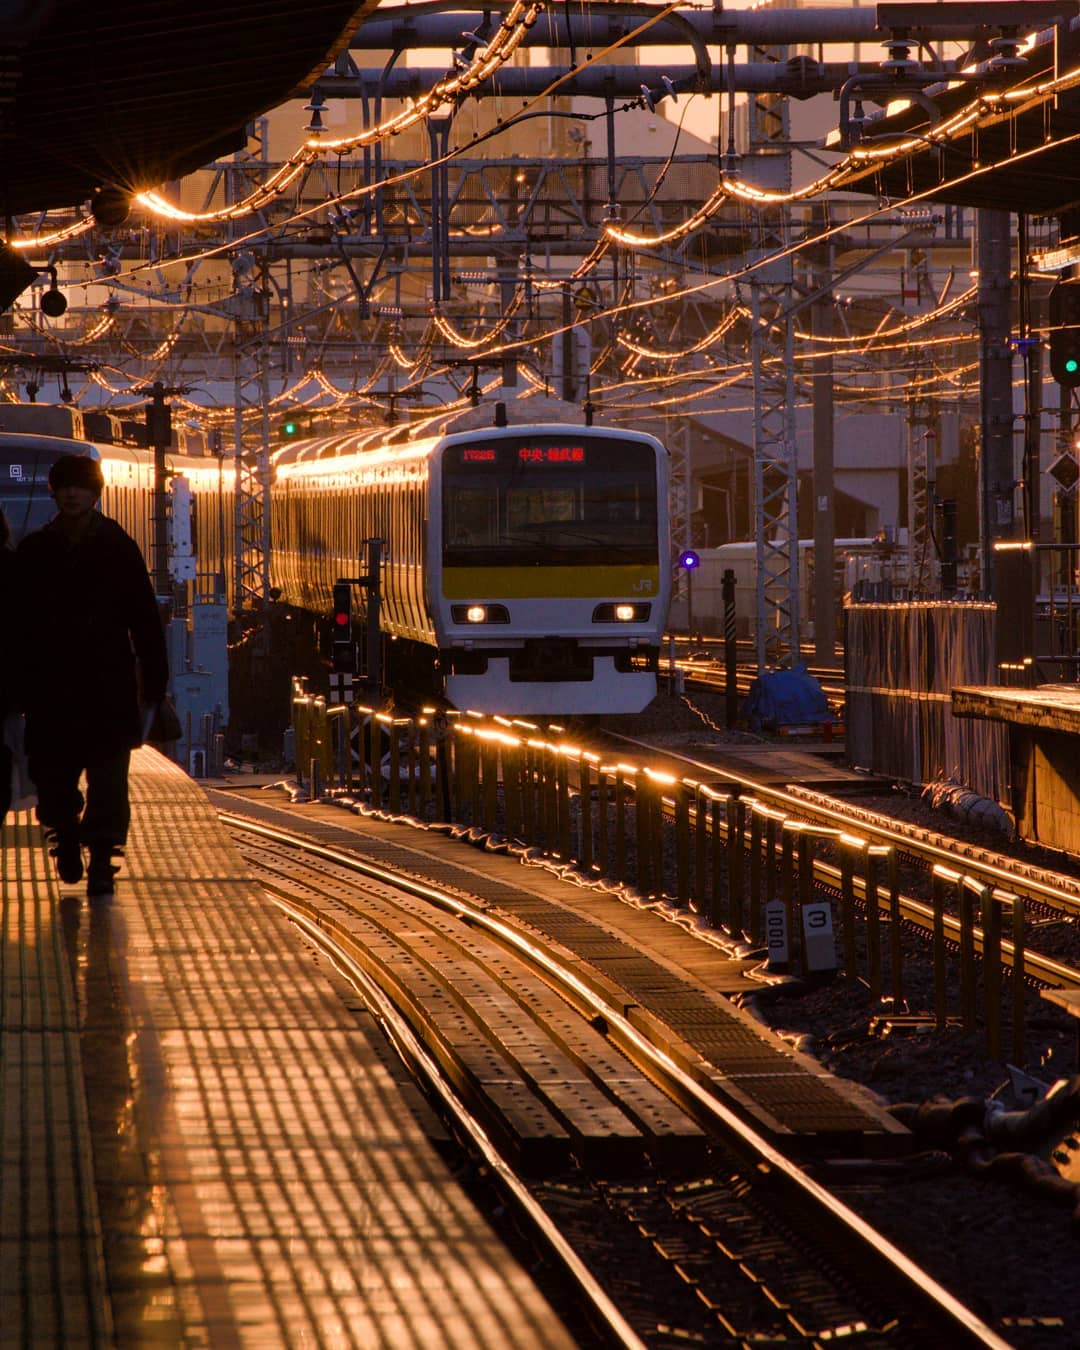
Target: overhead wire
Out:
[623,306]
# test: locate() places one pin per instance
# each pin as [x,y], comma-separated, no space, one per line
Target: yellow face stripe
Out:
[637,581]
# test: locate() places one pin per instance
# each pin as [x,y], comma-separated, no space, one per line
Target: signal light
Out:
[343,648]
[290,428]
[1065,333]
[689,559]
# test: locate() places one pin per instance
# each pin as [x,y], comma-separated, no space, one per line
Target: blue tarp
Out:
[784,698]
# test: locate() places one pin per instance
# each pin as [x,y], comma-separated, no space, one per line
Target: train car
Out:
[527,567]
[853,560]
[199,491]
[45,419]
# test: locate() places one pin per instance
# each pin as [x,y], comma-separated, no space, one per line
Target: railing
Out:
[1038,586]
[732,862]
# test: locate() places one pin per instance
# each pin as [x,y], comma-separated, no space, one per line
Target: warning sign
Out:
[1065,471]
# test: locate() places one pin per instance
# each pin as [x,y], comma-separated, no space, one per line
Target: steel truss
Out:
[773,359]
[251,368]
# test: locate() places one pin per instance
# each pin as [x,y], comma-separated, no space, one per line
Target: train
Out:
[526,565]
[857,562]
[200,496]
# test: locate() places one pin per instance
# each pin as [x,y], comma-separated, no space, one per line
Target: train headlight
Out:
[479,614]
[622,612]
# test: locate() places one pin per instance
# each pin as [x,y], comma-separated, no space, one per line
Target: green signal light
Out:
[289,428]
[1072,365]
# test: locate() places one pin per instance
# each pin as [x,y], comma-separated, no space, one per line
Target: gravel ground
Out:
[995,1222]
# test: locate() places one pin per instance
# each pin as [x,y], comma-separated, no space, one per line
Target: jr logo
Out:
[645,584]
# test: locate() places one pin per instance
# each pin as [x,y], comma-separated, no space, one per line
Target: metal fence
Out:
[902,662]
[810,899]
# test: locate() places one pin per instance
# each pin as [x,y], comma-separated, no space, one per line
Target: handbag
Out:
[161,722]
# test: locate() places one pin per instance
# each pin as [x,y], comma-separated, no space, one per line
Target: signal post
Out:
[343,642]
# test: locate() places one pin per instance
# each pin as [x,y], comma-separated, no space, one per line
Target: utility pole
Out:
[773,356]
[997,479]
[821,386]
[1031,353]
[159,434]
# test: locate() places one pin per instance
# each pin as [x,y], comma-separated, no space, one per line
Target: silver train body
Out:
[200,492]
[529,565]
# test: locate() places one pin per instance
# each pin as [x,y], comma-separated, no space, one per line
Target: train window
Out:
[472,516]
[549,506]
[24,488]
[621,503]
[27,506]
[541,505]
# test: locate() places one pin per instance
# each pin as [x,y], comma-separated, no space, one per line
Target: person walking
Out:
[90,645]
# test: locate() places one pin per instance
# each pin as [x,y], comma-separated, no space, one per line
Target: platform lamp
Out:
[54,301]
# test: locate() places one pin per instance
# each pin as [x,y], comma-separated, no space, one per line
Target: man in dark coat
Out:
[87,613]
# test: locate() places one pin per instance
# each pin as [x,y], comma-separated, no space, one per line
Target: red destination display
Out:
[526,454]
[552,454]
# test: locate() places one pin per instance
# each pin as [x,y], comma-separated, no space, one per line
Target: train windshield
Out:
[549,500]
[24,487]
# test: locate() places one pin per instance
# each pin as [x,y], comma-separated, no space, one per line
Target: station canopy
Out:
[1016,149]
[132,93]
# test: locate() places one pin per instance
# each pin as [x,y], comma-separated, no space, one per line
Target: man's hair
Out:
[77,471]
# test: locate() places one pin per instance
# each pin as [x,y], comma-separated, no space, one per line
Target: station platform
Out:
[1043,727]
[204,1140]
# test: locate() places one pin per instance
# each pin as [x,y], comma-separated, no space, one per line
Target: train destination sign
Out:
[552,454]
[526,454]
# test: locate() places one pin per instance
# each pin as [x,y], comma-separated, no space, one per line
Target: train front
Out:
[553,572]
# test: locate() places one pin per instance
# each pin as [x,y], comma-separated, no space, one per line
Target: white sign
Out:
[776,933]
[819,944]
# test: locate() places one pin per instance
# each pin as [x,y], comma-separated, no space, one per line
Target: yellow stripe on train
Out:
[630,582]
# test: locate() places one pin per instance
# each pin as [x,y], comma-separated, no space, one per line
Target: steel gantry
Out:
[534,219]
[250,306]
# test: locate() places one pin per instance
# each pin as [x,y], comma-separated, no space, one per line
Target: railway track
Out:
[701,666]
[672,1219]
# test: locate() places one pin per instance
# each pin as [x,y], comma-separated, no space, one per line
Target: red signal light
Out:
[343,649]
